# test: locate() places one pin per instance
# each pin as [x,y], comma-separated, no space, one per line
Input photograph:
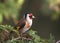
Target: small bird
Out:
[25,24]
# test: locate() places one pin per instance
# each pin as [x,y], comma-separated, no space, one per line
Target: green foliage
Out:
[9,9]
[52,39]
[54,6]
[1,18]
[54,2]
[8,28]
[35,38]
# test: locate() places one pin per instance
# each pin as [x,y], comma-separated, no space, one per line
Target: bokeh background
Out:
[47,13]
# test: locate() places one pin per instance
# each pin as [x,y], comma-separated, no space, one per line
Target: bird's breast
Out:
[29,23]
[27,26]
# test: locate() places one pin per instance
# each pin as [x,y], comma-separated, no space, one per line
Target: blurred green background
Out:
[47,14]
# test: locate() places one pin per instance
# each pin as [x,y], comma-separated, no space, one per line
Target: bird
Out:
[25,23]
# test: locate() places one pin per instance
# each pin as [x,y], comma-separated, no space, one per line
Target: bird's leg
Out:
[22,37]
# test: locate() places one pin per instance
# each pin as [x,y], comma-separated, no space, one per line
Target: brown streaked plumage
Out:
[25,24]
[20,24]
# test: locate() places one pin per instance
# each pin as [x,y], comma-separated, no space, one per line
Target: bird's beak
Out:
[33,16]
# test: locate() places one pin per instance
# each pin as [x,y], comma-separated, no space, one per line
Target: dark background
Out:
[43,22]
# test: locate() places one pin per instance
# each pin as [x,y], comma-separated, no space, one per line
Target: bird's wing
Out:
[20,24]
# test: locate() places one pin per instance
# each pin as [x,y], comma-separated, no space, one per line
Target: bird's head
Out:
[29,15]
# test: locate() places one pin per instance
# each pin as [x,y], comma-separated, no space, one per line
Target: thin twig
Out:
[20,38]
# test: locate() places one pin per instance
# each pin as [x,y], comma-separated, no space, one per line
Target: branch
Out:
[20,38]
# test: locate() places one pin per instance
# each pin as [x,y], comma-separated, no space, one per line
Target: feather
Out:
[20,24]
